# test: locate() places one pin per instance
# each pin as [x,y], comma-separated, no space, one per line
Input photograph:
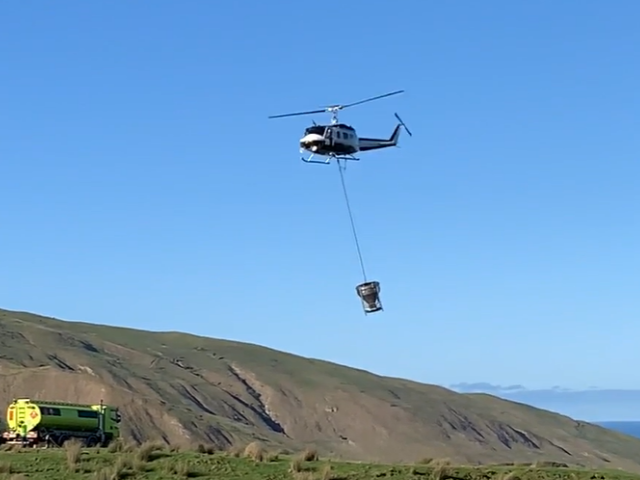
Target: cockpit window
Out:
[316,129]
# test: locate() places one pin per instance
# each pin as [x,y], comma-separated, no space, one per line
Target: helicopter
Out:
[339,141]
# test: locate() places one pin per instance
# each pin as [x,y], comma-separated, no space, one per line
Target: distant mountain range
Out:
[617,408]
[630,428]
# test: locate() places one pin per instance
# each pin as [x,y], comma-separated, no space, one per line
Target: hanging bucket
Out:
[369,293]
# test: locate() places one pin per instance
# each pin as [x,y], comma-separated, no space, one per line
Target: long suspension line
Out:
[353,226]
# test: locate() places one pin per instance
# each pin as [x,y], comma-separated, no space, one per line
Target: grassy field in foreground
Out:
[153,462]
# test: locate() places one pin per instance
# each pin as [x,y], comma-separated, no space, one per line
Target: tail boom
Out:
[366,144]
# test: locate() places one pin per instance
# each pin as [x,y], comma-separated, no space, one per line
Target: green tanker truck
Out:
[36,422]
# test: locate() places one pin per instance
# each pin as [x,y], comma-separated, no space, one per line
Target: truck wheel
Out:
[108,438]
[91,441]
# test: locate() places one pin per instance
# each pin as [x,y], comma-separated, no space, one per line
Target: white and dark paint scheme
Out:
[340,141]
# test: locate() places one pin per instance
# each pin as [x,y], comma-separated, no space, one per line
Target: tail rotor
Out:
[403,125]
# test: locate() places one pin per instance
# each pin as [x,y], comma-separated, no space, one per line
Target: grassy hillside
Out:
[254,462]
[183,389]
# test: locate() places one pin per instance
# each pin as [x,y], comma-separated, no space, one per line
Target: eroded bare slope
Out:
[184,389]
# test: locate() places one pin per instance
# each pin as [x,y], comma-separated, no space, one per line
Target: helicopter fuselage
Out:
[341,141]
[337,139]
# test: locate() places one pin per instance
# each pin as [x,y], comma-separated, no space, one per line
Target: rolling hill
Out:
[182,388]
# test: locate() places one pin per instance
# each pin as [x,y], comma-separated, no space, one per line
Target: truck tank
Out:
[25,417]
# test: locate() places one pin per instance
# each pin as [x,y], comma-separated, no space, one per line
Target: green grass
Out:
[153,462]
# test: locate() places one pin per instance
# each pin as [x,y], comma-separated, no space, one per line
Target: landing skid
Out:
[330,157]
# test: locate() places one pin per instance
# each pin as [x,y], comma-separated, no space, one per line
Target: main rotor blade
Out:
[298,113]
[337,107]
[372,99]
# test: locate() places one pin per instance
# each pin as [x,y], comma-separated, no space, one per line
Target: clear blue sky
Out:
[143,185]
